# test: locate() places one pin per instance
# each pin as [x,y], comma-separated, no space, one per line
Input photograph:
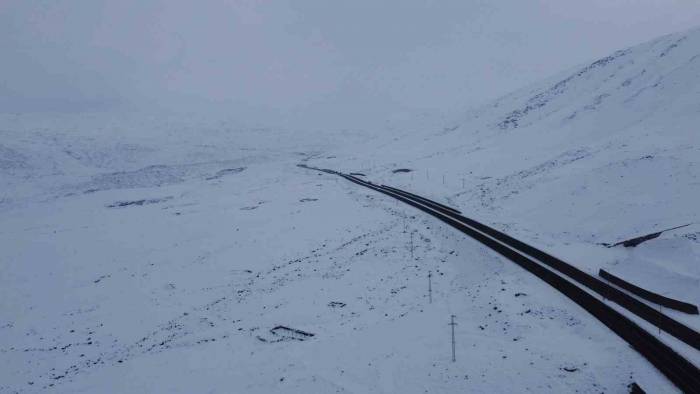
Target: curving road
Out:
[568,280]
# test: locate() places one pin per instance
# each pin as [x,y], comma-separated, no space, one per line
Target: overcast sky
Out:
[301,61]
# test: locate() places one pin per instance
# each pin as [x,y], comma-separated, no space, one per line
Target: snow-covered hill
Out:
[597,154]
[153,253]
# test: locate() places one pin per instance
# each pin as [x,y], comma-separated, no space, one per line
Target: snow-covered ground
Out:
[598,154]
[149,253]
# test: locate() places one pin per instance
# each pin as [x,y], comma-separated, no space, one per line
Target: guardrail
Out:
[648,295]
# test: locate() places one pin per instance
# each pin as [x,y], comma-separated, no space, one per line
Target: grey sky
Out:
[315,62]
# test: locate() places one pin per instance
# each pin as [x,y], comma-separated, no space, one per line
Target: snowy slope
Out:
[597,154]
[155,253]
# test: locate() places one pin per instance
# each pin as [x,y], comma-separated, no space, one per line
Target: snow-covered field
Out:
[598,154]
[156,253]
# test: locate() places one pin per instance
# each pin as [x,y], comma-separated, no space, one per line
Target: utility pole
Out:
[453,324]
[411,245]
[443,179]
[430,287]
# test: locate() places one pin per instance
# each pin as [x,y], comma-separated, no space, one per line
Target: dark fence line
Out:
[632,242]
[648,295]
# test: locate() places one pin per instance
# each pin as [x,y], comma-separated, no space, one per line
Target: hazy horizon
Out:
[309,62]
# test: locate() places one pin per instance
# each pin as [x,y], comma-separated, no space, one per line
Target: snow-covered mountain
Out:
[596,154]
[152,253]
